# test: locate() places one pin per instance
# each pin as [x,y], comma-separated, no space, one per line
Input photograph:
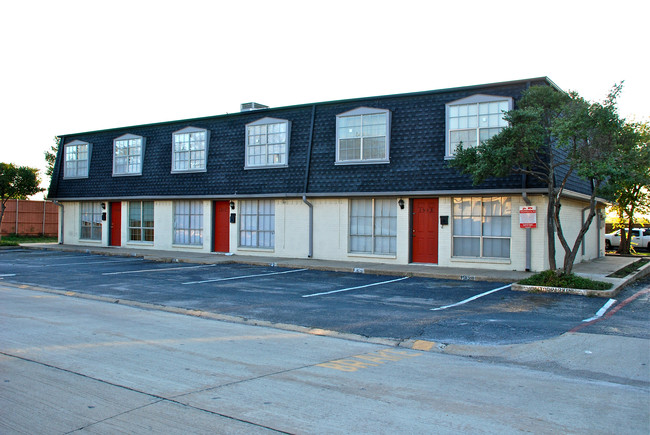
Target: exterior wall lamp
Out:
[401,203]
[232,205]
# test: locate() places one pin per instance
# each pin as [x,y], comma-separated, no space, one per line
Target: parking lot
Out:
[444,311]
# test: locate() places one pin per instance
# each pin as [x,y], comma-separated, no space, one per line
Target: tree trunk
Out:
[550,228]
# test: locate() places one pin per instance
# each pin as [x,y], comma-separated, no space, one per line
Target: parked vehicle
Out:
[640,238]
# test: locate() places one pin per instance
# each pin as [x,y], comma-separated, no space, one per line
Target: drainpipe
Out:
[58,204]
[524,196]
[304,196]
[311,226]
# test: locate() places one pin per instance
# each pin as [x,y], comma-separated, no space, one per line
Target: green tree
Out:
[50,156]
[629,187]
[551,136]
[17,182]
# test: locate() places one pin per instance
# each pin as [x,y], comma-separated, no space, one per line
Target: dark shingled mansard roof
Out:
[417,155]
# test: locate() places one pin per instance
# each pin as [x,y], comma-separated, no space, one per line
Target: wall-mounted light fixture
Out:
[401,203]
[103,206]
[232,205]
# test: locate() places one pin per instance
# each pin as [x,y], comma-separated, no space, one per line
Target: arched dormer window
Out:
[267,143]
[363,136]
[474,119]
[128,154]
[77,159]
[190,149]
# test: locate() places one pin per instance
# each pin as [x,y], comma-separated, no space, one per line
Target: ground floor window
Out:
[482,227]
[188,223]
[91,220]
[373,226]
[141,221]
[257,224]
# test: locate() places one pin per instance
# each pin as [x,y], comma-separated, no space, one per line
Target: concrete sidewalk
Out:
[596,269]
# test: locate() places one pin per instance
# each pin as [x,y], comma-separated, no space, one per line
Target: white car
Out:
[640,238]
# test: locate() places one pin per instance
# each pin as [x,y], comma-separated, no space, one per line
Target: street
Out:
[72,365]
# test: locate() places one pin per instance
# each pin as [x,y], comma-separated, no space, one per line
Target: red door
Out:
[425,231]
[116,224]
[221,226]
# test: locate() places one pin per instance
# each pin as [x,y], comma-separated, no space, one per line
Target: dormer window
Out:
[128,152]
[475,119]
[190,150]
[363,136]
[77,159]
[267,143]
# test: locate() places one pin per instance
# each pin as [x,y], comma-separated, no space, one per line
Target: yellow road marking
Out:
[423,345]
[372,359]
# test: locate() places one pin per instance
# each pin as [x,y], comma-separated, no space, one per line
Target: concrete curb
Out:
[615,290]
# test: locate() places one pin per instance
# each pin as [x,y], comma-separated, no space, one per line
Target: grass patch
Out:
[621,273]
[549,278]
[15,240]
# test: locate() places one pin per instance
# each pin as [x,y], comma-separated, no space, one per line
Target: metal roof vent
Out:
[247,107]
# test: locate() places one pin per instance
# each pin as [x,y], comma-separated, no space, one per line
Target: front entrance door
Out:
[221,226]
[425,231]
[115,236]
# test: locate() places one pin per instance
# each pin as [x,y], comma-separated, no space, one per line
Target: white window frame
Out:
[360,113]
[204,162]
[142,228]
[90,212]
[266,122]
[188,223]
[389,234]
[253,227]
[482,224]
[76,173]
[471,100]
[130,154]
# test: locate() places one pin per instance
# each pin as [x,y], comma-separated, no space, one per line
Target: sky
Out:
[70,66]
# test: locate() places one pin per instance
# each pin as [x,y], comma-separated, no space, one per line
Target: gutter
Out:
[306,185]
[58,204]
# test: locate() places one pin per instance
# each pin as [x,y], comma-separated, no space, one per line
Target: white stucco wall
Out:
[331,233]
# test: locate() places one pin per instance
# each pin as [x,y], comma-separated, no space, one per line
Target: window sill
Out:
[176,245]
[246,168]
[367,255]
[135,174]
[486,260]
[252,249]
[136,243]
[90,241]
[361,162]
[188,171]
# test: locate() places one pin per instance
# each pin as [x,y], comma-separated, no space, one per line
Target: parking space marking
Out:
[470,299]
[158,270]
[243,276]
[7,274]
[602,311]
[354,288]
[89,262]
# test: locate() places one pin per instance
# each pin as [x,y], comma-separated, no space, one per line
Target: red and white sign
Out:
[528,217]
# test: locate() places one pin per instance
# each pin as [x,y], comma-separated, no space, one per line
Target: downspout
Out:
[58,204]
[304,196]
[524,196]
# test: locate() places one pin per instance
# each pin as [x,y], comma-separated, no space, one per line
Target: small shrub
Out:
[550,278]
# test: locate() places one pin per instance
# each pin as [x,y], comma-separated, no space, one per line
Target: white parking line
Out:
[470,299]
[602,311]
[7,274]
[354,288]
[158,270]
[89,262]
[242,277]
